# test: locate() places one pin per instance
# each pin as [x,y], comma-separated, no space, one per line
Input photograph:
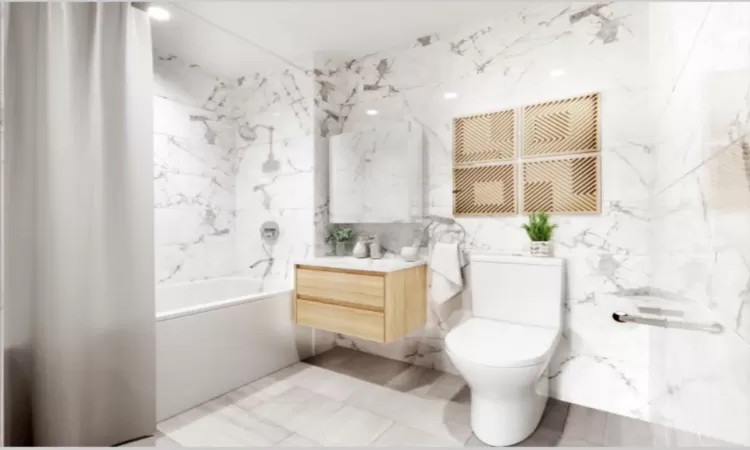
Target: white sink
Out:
[350,262]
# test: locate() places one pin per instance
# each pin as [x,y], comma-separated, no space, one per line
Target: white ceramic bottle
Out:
[360,249]
[376,251]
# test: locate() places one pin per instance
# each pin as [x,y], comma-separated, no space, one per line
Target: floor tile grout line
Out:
[201,404]
[469,438]
[342,403]
[605,435]
[390,425]
[377,414]
[250,412]
[386,418]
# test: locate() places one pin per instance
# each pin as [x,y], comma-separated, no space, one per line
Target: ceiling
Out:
[240,37]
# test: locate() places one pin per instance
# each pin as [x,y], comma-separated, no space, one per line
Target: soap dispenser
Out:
[376,251]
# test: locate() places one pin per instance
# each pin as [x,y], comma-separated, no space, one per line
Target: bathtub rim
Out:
[218,304]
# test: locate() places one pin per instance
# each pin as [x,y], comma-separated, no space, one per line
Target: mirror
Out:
[376,175]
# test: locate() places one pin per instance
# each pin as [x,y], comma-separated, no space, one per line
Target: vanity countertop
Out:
[350,262]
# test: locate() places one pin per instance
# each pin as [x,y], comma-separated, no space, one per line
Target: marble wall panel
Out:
[194,179]
[700,248]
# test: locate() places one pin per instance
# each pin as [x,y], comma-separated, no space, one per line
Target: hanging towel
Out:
[445,264]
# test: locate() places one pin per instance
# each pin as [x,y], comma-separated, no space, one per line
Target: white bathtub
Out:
[214,336]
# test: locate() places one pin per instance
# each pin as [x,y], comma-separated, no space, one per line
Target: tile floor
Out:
[347,398]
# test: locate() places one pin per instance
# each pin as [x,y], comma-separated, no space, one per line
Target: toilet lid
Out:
[500,344]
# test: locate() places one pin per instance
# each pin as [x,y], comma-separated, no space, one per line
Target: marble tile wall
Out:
[274,116]
[194,153]
[231,155]
[700,66]
[281,172]
[505,62]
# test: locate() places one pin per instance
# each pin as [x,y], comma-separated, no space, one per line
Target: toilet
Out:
[503,351]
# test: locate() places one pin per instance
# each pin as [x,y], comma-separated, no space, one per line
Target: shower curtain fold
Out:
[78,194]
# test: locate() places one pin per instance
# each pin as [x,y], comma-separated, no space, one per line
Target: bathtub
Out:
[216,335]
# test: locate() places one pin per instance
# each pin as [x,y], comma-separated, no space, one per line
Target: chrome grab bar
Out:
[714,328]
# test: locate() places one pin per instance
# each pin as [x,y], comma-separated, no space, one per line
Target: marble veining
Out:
[194,180]
[230,155]
[700,254]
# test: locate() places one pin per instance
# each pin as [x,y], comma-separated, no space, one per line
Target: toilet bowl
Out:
[504,350]
[505,366]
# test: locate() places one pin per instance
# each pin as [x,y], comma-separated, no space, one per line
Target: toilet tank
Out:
[518,289]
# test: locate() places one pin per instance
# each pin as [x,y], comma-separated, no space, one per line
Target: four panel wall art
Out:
[549,152]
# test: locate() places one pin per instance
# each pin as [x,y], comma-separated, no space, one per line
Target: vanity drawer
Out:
[340,319]
[348,288]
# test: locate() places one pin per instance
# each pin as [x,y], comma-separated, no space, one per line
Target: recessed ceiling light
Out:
[158,13]
[557,73]
[450,95]
[372,112]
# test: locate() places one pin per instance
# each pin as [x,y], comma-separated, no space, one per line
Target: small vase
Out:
[360,249]
[340,248]
[540,248]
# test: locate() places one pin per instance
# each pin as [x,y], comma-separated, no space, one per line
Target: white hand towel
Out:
[445,264]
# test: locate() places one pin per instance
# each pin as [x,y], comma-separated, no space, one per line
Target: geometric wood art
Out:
[484,190]
[562,185]
[484,138]
[561,127]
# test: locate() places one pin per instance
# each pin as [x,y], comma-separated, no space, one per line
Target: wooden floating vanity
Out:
[380,300]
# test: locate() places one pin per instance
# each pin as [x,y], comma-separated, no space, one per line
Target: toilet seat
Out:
[500,344]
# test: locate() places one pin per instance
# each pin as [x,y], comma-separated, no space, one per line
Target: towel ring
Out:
[436,234]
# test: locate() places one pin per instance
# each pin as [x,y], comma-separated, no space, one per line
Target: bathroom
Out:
[255,105]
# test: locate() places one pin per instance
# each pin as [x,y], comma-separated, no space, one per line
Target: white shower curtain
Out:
[78,194]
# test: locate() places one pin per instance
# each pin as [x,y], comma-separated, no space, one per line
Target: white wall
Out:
[700,66]
[194,181]
[231,154]
[274,114]
[214,185]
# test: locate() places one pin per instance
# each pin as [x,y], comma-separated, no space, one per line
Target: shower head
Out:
[271,164]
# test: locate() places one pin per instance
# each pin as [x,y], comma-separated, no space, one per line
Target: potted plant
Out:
[540,232]
[339,238]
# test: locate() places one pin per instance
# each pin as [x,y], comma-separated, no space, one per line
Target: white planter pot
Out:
[540,248]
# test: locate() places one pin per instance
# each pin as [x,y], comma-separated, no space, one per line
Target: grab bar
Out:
[714,328]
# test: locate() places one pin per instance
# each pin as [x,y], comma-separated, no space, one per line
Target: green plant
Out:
[539,229]
[341,234]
